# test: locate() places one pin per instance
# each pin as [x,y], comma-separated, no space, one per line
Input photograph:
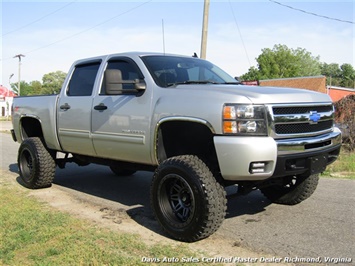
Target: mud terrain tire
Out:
[294,191]
[186,199]
[36,165]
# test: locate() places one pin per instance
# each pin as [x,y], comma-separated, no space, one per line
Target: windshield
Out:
[172,70]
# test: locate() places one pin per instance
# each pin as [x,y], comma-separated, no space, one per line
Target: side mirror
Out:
[139,85]
[114,83]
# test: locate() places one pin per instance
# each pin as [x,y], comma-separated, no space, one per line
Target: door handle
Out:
[65,106]
[100,107]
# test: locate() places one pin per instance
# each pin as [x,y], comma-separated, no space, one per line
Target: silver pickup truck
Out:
[187,121]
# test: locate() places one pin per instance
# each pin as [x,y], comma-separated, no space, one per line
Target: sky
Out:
[53,34]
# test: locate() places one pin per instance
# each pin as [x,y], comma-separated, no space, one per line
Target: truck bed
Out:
[42,108]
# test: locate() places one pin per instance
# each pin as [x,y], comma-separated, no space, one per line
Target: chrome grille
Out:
[302,127]
[301,109]
[300,120]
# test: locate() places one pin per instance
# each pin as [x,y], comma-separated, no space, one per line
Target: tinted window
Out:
[169,70]
[83,79]
[128,70]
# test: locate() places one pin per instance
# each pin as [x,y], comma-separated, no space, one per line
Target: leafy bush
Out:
[345,119]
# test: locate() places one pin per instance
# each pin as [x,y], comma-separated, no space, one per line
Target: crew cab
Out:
[190,123]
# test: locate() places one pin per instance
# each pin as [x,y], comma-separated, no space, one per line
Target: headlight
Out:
[244,119]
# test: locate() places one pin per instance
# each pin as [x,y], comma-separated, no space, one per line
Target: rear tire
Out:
[186,199]
[295,190]
[36,165]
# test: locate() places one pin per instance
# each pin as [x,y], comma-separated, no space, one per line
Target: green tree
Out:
[36,87]
[52,82]
[309,65]
[252,74]
[276,63]
[283,62]
[343,76]
[25,88]
[347,76]
[332,72]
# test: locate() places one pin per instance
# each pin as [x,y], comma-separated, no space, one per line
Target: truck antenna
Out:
[162,28]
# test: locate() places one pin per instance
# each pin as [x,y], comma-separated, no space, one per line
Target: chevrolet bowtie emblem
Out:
[313,117]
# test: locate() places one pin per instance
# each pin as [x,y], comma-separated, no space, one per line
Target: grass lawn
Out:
[32,233]
[344,167]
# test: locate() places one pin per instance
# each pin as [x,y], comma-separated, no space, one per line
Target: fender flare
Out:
[174,119]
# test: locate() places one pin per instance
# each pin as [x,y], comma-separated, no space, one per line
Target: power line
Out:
[311,13]
[88,29]
[39,19]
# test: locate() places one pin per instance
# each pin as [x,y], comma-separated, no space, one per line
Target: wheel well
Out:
[31,127]
[184,137]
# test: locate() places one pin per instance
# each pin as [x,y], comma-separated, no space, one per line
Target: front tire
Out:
[36,165]
[186,199]
[294,190]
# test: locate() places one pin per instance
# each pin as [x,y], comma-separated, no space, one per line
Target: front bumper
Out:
[237,155]
[307,156]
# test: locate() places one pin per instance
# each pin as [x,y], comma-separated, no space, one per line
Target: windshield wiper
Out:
[193,82]
[233,83]
[202,82]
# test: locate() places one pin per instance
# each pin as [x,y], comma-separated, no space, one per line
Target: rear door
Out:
[74,110]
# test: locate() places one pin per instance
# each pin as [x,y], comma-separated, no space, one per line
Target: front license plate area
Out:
[317,164]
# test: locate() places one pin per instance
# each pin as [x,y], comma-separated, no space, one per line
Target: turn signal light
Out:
[244,120]
[229,112]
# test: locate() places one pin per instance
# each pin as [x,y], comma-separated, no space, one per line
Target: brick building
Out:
[337,93]
[315,83]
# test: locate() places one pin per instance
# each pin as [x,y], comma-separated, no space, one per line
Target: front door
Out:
[120,123]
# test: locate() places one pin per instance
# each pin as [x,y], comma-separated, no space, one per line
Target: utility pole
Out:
[19,72]
[8,110]
[204,29]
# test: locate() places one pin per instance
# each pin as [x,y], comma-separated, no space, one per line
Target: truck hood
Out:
[257,94]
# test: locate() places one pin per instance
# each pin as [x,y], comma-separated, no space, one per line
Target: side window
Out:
[83,79]
[128,70]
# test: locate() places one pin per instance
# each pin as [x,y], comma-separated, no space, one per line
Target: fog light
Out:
[257,167]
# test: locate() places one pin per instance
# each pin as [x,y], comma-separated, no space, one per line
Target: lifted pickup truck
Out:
[187,121]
